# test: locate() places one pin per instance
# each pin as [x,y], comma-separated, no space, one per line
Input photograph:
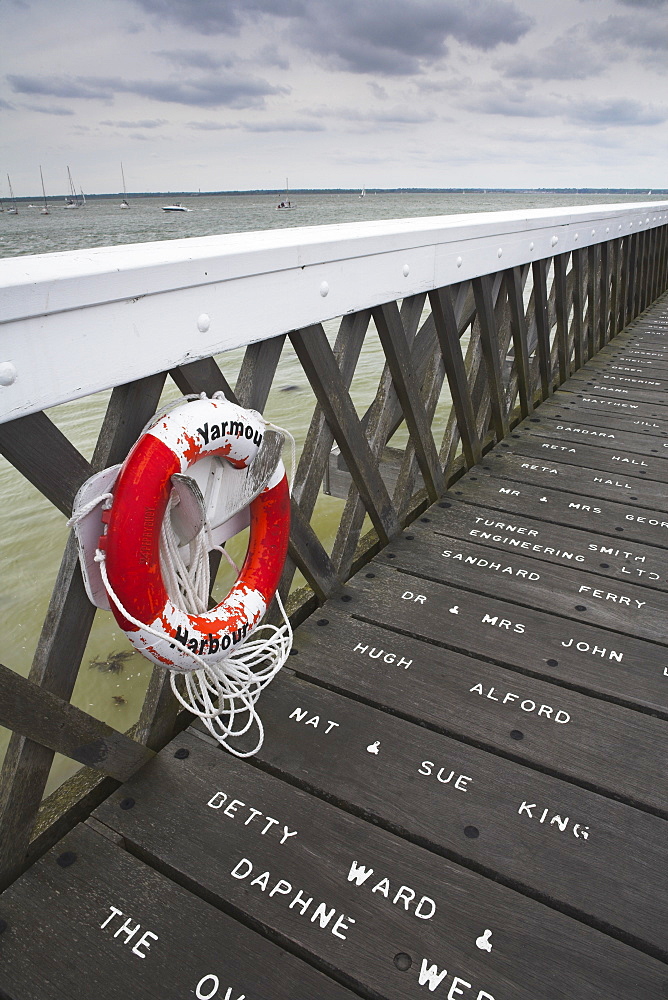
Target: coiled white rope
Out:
[223,694]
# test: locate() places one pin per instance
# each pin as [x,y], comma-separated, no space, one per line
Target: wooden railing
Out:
[479,318]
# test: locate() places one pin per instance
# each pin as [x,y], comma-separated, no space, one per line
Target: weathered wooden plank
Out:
[604,295]
[592,298]
[323,373]
[41,452]
[513,282]
[448,336]
[598,385]
[307,552]
[579,343]
[618,374]
[490,342]
[594,743]
[604,516]
[601,411]
[628,452]
[539,643]
[36,713]
[314,458]
[257,373]
[528,463]
[392,337]
[65,632]
[564,590]
[202,376]
[443,911]
[562,304]
[414,781]
[547,542]
[89,920]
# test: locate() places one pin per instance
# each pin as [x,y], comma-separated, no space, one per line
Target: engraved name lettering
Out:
[584,430]
[639,381]
[322,914]
[207,989]
[486,564]
[558,447]
[584,506]
[561,823]
[519,543]
[611,402]
[604,595]
[525,704]
[586,647]
[299,715]
[424,909]
[267,823]
[376,654]
[629,461]
[612,482]
[445,775]
[502,623]
[646,520]
[540,468]
[432,977]
[128,932]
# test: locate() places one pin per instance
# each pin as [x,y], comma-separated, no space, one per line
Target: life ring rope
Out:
[236,681]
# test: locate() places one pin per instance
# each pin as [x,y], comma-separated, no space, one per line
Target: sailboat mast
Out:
[45,210]
[14,209]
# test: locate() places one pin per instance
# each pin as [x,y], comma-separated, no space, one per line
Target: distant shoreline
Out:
[276,192]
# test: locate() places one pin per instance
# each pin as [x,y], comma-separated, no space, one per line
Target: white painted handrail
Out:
[76,322]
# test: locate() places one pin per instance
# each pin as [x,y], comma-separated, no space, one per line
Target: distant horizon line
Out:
[275,192]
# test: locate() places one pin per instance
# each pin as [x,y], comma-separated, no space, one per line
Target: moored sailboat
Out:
[72,200]
[286,205]
[124,203]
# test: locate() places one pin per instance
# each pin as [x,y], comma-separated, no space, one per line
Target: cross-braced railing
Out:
[467,348]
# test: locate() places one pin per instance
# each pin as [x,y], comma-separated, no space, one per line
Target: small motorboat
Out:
[178,207]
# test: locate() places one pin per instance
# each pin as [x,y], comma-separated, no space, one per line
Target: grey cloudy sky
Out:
[237,94]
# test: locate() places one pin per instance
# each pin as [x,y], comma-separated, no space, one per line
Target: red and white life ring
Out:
[198,429]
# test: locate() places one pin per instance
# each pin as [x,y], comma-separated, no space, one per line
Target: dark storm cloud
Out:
[210,92]
[209,126]
[389,37]
[620,111]
[282,127]
[218,16]
[144,123]
[273,126]
[646,32]
[520,103]
[270,56]
[196,59]
[48,110]
[566,58]
[393,38]
[233,90]
[62,86]
[644,3]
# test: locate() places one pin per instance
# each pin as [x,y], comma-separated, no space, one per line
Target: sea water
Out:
[112,679]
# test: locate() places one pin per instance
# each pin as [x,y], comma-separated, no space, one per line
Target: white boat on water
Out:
[177,207]
[362,193]
[285,205]
[44,210]
[72,201]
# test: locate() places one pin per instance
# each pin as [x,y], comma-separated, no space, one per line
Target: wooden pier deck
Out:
[462,789]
